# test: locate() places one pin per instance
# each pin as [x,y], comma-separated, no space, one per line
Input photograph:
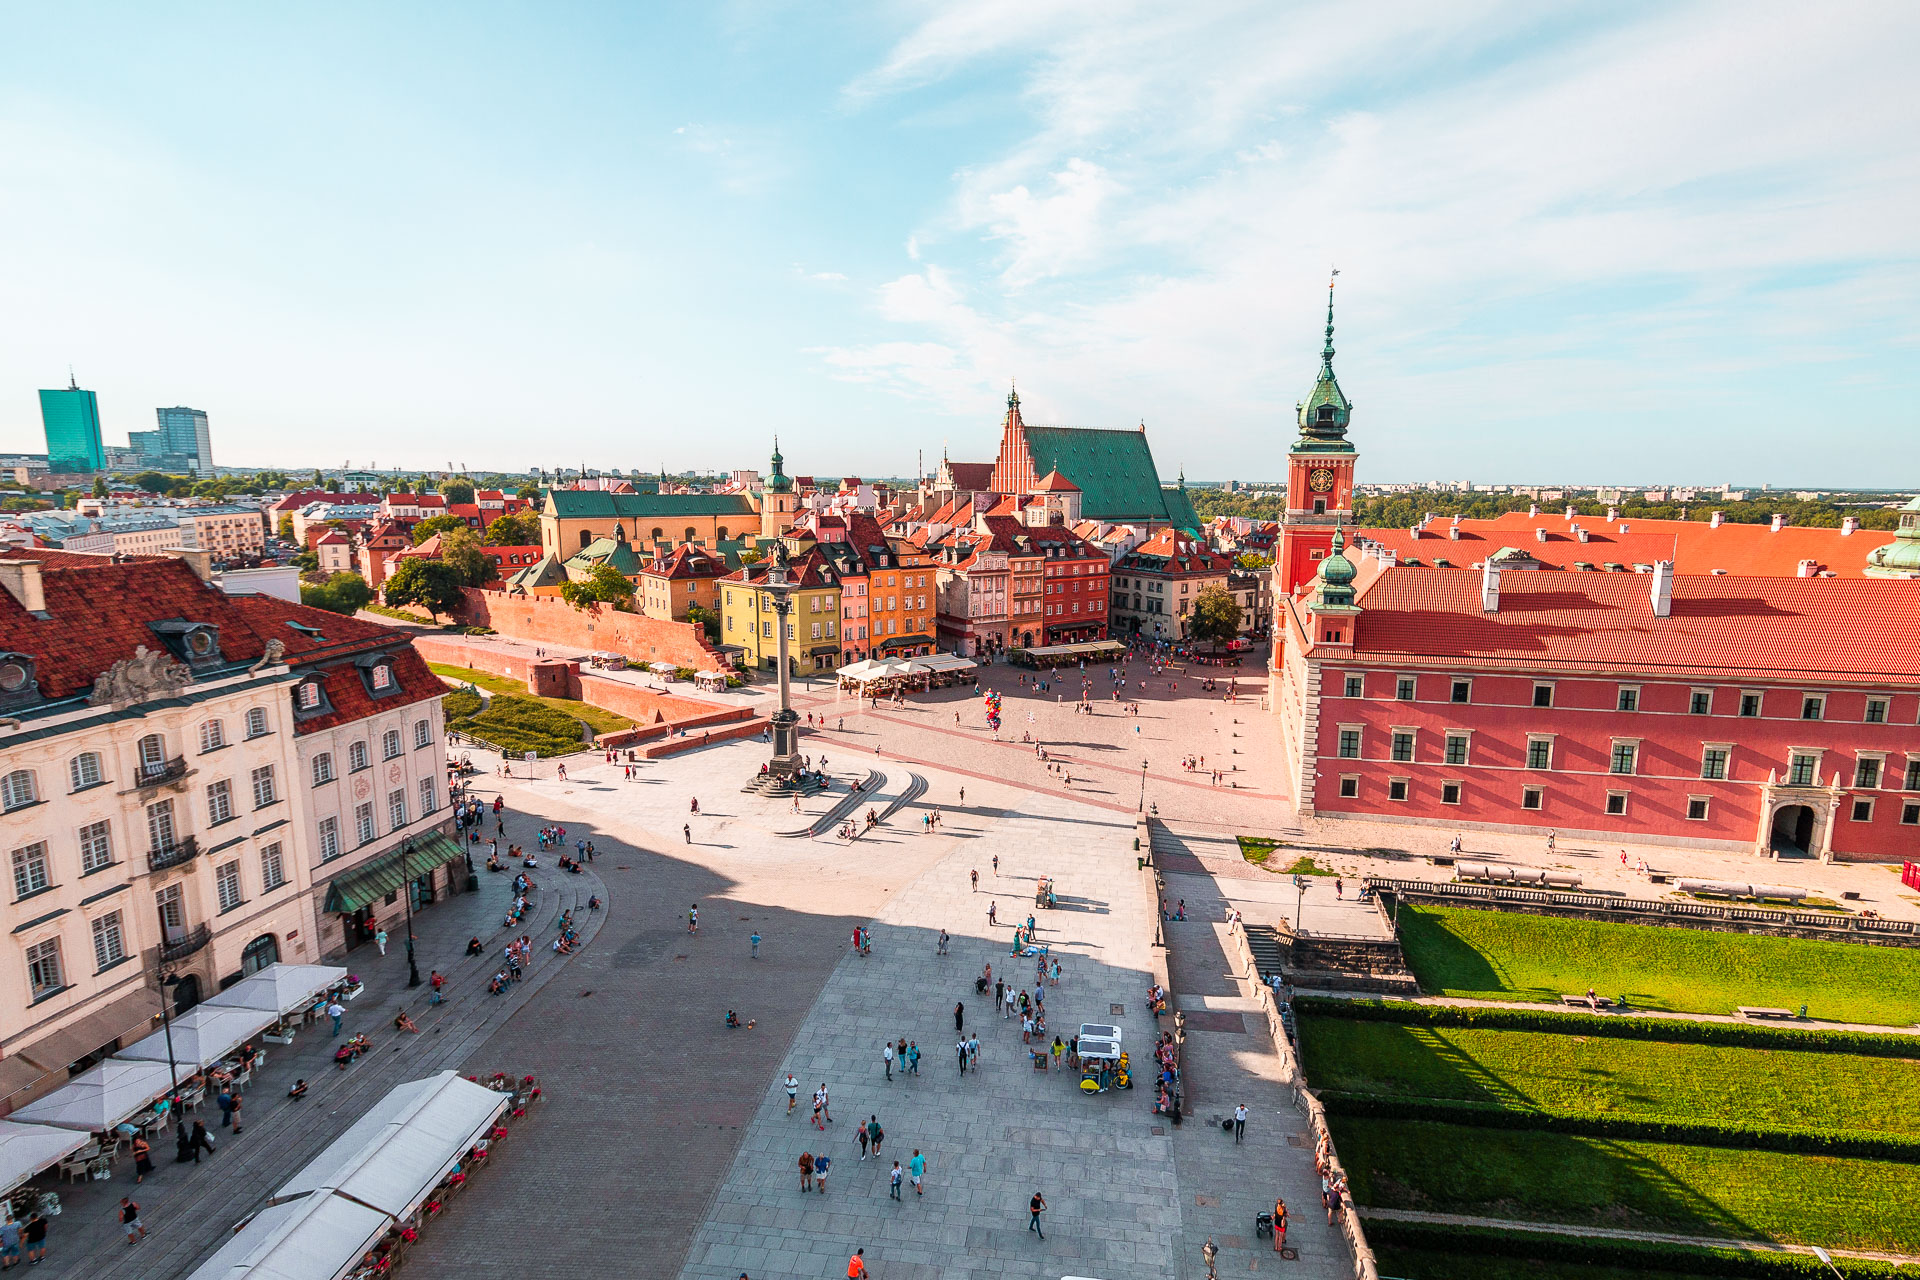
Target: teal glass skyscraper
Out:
[184,434]
[72,420]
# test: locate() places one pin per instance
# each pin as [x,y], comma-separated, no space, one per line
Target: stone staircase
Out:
[1331,963]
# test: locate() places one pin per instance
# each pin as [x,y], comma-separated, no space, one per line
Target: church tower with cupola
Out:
[777,501]
[1319,476]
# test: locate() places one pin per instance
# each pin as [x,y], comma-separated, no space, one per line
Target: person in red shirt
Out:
[857,1266]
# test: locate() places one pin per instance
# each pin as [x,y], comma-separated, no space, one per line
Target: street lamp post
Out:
[1300,899]
[413,968]
[168,982]
[1143,784]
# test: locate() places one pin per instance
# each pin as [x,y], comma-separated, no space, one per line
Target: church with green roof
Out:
[1113,470]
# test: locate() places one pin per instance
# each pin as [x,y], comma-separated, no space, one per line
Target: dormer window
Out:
[1326,413]
[195,643]
[19,685]
[310,699]
[376,670]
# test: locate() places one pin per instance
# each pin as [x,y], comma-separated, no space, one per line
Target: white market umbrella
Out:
[100,1097]
[279,988]
[26,1149]
[203,1035]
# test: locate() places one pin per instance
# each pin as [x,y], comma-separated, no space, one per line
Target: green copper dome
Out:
[778,481]
[1901,557]
[1325,414]
[1336,570]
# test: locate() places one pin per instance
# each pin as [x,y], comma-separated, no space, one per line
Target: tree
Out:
[707,619]
[153,481]
[515,529]
[286,527]
[1253,560]
[332,485]
[99,486]
[1216,615]
[751,556]
[461,549]
[403,485]
[436,524]
[307,561]
[531,492]
[345,593]
[604,585]
[456,491]
[434,585]
[316,475]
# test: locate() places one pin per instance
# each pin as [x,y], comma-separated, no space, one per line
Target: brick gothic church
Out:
[1777,715]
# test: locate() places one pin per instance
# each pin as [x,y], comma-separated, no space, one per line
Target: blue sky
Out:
[1602,243]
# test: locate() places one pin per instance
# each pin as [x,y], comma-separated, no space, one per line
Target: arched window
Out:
[213,736]
[153,755]
[721,533]
[258,954]
[658,533]
[85,770]
[256,722]
[17,790]
[586,536]
[693,535]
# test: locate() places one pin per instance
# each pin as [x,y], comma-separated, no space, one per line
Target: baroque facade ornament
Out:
[149,673]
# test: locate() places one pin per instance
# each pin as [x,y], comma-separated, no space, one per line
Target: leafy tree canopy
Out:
[604,585]
[434,585]
[1216,615]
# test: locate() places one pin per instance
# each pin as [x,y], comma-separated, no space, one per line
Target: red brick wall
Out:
[555,622]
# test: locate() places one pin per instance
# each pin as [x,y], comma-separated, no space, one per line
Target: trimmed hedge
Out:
[522,724]
[1654,1255]
[1857,1143]
[1876,1044]
[460,704]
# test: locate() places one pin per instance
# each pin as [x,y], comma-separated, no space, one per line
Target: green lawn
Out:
[1259,850]
[601,721]
[1693,1082]
[1508,955]
[1763,1195]
[1427,1264]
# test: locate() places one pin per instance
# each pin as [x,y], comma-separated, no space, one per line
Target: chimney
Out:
[1779,522]
[1613,514]
[200,559]
[1533,509]
[1540,534]
[1719,518]
[1809,568]
[1580,533]
[1489,587]
[22,580]
[1662,589]
[1453,532]
[1570,511]
[1849,525]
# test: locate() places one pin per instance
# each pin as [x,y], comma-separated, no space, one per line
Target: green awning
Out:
[365,884]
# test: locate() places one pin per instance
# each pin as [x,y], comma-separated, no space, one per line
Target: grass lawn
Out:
[1541,1071]
[1762,1195]
[600,720]
[1427,1264]
[1260,849]
[1507,955]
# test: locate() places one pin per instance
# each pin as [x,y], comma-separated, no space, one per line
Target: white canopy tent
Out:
[941,663]
[397,1153]
[279,989]
[201,1036]
[26,1149]
[662,668]
[318,1237]
[711,681]
[102,1096]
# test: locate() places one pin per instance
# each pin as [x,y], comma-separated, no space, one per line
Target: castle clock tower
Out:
[1319,477]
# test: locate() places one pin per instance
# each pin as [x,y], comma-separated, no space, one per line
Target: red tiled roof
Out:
[1785,627]
[1054,482]
[1695,547]
[973,476]
[99,610]
[686,561]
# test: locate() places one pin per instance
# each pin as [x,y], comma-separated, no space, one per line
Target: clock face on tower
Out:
[1320,479]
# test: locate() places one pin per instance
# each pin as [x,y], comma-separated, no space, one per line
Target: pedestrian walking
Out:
[857,1265]
[234,1111]
[142,1158]
[380,941]
[199,1140]
[806,1171]
[876,1134]
[973,1053]
[754,942]
[793,1092]
[959,1015]
[913,1057]
[226,1107]
[1239,1123]
[960,1052]
[1036,1207]
[826,1103]
[820,1163]
[130,1220]
[893,1182]
[336,1011]
[36,1234]
[9,1245]
[860,1136]
[996,864]
[963,795]
[975,873]
[686,829]
[916,1168]
[693,918]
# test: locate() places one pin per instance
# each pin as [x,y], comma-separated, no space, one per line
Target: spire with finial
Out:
[1013,394]
[1326,352]
[1326,412]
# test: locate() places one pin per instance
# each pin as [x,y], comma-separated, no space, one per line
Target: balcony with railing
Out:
[183,946]
[181,851]
[158,773]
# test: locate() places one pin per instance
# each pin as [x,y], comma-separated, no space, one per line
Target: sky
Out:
[1582,243]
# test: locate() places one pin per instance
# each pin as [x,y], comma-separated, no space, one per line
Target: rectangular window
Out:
[1463,690]
[1356,686]
[307,697]
[427,800]
[1403,688]
[816,632]
[30,873]
[1876,710]
[1350,744]
[390,744]
[1866,772]
[1532,797]
[1813,707]
[1449,793]
[256,722]
[1713,763]
[1396,788]
[226,883]
[1913,774]
[1349,786]
[213,736]
[85,771]
[329,838]
[396,810]
[43,967]
[264,792]
[357,756]
[1543,695]
[422,733]
[1696,808]
[1457,748]
[1624,755]
[322,768]
[1403,746]
[1700,703]
[1803,771]
[1750,705]
[1629,698]
[1863,810]
[96,847]
[1910,814]
[363,822]
[1539,753]
[1616,803]
[109,943]
[273,869]
[160,825]
[219,802]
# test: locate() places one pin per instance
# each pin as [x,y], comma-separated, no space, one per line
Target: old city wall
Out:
[554,622]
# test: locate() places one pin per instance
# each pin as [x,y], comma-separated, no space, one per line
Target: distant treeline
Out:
[1403,510]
